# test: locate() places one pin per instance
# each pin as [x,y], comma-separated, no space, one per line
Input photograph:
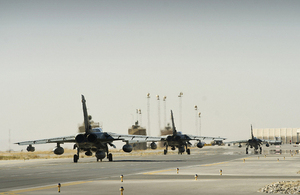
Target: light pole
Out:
[148,110]
[180,109]
[199,114]
[140,113]
[196,119]
[137,116]
[158,109]
[165,121]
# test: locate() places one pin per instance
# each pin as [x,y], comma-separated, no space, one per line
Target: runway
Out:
[154,174]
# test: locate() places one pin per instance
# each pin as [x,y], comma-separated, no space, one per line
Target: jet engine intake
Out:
[127,148]
[58,150]
[200,144]
[30,148]
[100,155]
[80,138]
[153,145]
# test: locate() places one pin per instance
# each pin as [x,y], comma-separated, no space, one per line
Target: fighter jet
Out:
[182,141]
[253,143]
[93,140]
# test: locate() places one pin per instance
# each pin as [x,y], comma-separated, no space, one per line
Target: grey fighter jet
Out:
[182,141]
[253,143]
[93,140]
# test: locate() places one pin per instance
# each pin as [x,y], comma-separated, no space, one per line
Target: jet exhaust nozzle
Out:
[80,138]
[92,138]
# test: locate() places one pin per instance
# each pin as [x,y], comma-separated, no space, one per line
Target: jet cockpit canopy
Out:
[97,130]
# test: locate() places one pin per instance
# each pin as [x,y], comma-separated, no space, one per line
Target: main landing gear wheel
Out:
[165,152]
[110,157]
[246,150]
[188,151]
[75,158]
[260,149]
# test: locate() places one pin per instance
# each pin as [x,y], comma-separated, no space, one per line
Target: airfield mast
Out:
[165,117]
[180,109]
[158,109]
[148,110]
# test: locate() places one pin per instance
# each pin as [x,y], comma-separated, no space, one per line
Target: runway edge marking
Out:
[15,192]
[213,164]
[160,171]
[205,165]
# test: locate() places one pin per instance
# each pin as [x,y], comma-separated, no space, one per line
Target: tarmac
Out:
[243,175]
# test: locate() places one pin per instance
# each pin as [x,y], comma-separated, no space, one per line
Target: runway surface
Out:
[154,174]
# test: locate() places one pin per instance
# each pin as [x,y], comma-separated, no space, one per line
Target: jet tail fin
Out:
[252,136]
[173,124]
[85,116]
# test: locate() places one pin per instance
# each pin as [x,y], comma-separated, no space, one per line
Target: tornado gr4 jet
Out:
[93,140]
[253,143]
[182,141]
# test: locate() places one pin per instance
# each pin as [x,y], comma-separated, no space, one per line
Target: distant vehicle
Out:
[182,141]
[217,142]
[93,140]
[253,143]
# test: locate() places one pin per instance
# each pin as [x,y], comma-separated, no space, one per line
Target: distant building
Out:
[81,128]
[166,131]
[286,135]
[217,142]
[138,130]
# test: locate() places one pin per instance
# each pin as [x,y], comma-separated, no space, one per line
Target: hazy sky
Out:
[238,61]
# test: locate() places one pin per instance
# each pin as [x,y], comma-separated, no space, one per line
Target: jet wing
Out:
[67,139]
[134,138]
[238,141]
[196,137]
[115,136]
[266,141]
[193,137]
